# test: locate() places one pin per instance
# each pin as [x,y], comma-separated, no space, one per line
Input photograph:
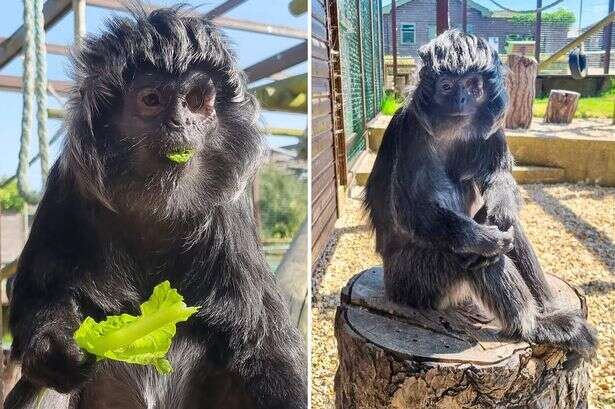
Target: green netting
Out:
[361,66]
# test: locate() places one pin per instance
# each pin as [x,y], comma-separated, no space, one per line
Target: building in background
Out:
[416,25]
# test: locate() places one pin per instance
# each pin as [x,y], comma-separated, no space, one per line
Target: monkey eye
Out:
[149,102]
[446,86]
[195,99]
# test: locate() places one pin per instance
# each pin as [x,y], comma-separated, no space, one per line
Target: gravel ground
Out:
[572,228]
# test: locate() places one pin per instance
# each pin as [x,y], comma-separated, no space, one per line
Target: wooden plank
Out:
[221,21]
[321,123]
[321,87]
[322,237]
[318,12]
[322,141]
[57,49]
[320,69]
[14,84]
[319,31]
[322,206]
[326,177]
[53,11]
[225,7]
[278,62]
[320,50]
[321,106]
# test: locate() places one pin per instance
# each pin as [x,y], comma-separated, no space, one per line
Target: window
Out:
[431,32]
[470,28]
[408,33]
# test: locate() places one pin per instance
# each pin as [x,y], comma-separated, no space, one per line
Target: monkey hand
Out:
[502,219]
[487,241]
[52,359]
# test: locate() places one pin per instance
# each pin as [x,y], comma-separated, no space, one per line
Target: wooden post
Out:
[79,20]
[464,15]
[521,90]
[394,39]
[561,106]
[394,356]
[441,16]
[538,33]
[608,32]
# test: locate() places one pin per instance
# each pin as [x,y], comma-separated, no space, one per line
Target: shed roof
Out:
[483,10]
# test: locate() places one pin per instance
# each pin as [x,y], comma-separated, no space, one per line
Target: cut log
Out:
[521,85]
[562,106]
[395,357]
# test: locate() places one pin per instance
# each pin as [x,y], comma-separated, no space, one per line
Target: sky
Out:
[250,48]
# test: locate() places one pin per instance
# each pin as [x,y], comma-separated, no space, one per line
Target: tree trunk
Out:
[562,106]
[521,84]
[396,357]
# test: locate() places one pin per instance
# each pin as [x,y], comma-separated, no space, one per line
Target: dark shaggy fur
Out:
[444,205]
[112,225]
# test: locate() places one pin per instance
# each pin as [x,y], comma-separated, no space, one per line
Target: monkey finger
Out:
[482,262]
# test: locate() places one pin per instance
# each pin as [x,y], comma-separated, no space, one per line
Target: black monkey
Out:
[118,217]
[444,205]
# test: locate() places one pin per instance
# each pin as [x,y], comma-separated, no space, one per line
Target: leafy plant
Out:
[390,103]
[10,199]
[143,339]
[282,202]
[562,16]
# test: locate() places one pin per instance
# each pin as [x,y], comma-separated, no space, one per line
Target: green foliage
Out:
[10,198]
[562,16]
[283,202]
[390,103]
[144,339]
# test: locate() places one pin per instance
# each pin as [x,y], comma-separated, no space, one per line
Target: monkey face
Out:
[459,95]
[163,116]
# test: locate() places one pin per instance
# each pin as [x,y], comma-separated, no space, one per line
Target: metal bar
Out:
[223,8]
[464,15]
[57,49]
[608,32]
[277,62]
[394,44]
[574,43]
[360,33]
[441,16]
[79,20]
[53,11]
[221,21]
[14,84]
[538,30]
[371,34]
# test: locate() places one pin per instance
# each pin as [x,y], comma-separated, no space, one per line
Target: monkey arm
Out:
[44,312]
[431,224]
[501,194]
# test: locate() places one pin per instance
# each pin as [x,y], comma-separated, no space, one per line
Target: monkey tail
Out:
[567,329]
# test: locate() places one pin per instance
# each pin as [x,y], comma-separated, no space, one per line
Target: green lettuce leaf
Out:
[143,339]
[182,156]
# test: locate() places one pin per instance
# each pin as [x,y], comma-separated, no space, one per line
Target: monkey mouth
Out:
[180,156]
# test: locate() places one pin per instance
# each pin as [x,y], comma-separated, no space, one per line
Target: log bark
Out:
[396,357]
[521,85]
[562,106]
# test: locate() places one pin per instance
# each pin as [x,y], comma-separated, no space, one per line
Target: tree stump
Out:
[392,356]
[562,106]
[521,85]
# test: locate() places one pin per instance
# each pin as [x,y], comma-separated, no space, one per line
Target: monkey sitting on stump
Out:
[444,205]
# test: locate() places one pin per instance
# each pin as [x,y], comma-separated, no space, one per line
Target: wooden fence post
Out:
[521,84]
